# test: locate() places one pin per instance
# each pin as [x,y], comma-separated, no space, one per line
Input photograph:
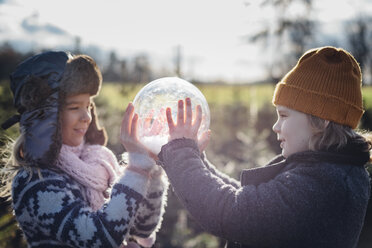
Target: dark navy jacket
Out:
[310,199]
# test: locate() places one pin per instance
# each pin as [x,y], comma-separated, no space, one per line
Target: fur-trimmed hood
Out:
[39,85]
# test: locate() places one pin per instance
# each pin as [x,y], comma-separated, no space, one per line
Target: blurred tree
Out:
[288,37]
[77,48]
[178,60]
[142,70]
[112,72]
[124,73]
[359,34]
[9,59]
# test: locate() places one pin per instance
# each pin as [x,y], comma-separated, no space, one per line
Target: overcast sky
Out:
[210,32]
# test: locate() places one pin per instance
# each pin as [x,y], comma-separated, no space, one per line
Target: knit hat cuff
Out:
[322,105]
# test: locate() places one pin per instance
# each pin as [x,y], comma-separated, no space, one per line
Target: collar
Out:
[279,164]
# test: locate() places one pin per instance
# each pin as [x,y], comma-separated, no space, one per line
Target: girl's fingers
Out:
[170,119]
[188,119]
[147,122]
[198,119]
[156,127]
[133,132]
[180,114]
[126,123]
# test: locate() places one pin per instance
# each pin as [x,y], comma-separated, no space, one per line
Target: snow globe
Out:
[151,103]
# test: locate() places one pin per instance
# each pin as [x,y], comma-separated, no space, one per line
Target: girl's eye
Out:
[73,108]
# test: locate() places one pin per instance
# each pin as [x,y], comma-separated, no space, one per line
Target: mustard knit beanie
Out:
[326,82]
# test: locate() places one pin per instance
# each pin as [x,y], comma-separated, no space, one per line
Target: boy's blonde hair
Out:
[329,135]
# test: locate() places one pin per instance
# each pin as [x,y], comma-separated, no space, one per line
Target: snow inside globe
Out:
[151,103]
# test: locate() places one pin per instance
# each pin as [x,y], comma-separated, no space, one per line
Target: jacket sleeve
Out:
[265,215]
[227,179]
[53,210]
[150,213]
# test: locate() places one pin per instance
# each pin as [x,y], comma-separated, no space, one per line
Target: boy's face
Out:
[76,117]
[293,130]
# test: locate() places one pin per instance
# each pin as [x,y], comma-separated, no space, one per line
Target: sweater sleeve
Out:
[227,179]
[51,210]
[288,208]
[150,213]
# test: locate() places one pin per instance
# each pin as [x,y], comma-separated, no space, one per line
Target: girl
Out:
[68,189]
[315,193]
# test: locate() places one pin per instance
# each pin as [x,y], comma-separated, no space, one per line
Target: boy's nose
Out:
[276,127]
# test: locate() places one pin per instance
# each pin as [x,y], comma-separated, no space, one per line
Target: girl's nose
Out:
[86,116]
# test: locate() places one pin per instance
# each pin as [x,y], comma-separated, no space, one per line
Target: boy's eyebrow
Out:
[76,102]
[281,111]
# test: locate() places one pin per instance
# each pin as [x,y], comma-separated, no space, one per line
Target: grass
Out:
[367,97]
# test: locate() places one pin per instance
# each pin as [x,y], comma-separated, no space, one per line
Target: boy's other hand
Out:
[186,127]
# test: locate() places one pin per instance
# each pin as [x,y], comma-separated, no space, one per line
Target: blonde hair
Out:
[330,135]
[11,160]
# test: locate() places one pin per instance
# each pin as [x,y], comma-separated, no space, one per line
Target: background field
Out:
[241,121]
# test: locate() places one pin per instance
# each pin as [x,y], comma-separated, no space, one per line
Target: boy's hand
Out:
[185,126]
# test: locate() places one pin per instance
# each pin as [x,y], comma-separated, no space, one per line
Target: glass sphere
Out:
[151,103]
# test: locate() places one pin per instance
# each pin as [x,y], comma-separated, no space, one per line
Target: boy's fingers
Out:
[170,119]
[188,119]
[180,114]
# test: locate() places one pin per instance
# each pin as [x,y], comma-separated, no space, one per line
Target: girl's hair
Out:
[330,135]
[11,161]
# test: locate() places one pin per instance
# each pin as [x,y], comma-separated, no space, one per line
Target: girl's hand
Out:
[185,126]
[128,134]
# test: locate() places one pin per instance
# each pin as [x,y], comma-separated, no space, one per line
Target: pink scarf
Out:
[96,168]
[93,166]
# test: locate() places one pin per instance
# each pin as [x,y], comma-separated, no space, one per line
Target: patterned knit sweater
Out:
[52,211]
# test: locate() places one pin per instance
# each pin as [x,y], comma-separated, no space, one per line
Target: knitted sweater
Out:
[311,199]
[52,211]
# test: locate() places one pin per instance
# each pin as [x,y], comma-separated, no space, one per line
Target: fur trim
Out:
[81,76]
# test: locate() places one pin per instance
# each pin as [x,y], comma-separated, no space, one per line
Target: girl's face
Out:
[293,130]
[76,117]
